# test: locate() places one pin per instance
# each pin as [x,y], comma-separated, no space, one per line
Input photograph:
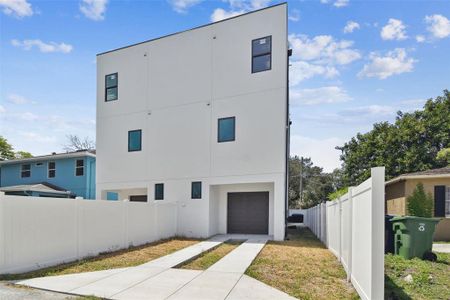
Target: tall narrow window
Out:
[226,130]
[112,87]
[447,203]
[51,169]
[262,54]
[159,191]
[135,140]
[79,167]
[196,190]
[25,171]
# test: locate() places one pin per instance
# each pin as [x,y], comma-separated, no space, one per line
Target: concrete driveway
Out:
[158,279]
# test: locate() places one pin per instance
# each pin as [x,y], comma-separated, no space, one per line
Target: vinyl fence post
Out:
[350,249]
[2,233]
[340,229]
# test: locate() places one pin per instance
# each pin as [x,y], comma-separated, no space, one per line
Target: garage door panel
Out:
[248,213]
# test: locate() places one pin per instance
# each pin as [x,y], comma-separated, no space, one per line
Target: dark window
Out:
[111,87]
[25,171]
[196,190]
[138,198]
[134,140]
[226,129]
[159,191]
[262,54]
[51,169]
[79,167]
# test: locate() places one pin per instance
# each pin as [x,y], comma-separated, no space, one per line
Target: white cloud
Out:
[341,3]
[394,30]
[42,46]
[17,8]
[294,15]
[351,26]
[17,99]
[370,110]
[2,109]
[36,137]
[237,7]
[182,6]
[323,49]
[394,62]
[302,70]
[326,94]
[28,116]
[438,25]
[93,9]
[420,38]
[321,151]
[221,14]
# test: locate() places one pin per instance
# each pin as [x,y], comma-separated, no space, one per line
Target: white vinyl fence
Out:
[36,232]
[352,227]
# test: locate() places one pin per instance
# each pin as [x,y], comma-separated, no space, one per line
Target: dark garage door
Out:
[248,213]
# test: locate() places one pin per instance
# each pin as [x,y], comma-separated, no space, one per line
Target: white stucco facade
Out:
[175,89]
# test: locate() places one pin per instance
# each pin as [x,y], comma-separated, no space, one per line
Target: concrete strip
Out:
[66,283]
[442,248]
[209,286]
[238,260]
[160,286]
[117,283]
[249,288]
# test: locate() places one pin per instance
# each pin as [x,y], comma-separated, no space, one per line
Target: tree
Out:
[23,154]
[76,143]
[411,144]
[420,204]
[443,156]
[7,151]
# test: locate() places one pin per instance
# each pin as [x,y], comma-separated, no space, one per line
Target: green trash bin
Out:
[413,236]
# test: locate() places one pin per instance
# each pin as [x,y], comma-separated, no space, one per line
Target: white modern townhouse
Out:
[199,120]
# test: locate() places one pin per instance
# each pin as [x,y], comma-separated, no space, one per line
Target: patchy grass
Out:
[430,280]
[302,267]
[118,259]
[207,259]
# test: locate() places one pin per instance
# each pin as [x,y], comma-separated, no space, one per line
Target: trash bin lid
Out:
[404,218]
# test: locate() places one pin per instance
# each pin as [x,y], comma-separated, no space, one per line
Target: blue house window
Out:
[226,129]
[112,196]
[25,171]
[196,190]
[134,140]
[51,169]
[79,167]
[262,54]
[111,87]
[159,191]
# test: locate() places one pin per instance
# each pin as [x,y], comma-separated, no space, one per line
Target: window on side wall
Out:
[25,171]
[79,167]
[111,87]
[159,191]
[262,54]
[51,169]
[196,190]
[226,129]
[134,140]
[447,202]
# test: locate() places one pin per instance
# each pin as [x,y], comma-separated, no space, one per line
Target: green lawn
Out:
[431,280]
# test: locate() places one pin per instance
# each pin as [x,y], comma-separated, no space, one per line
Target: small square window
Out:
[262,54]
[51,169]
[112,196]
[159,191]
[138,198]
[134,140]
[111,87]
[226,130]
[196,190]
[79,167]
[25,171]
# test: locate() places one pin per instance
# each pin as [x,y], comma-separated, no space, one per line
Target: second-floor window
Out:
[262,54]
[25,171]
[134,140]
[112,87]
[226,129]
[159,191]
[51,169]
[79,167]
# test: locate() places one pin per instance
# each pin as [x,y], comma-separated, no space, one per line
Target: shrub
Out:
[420,204]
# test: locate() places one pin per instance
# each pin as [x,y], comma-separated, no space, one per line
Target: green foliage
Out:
[334,195]
[7,151]
[420,204]
[411,144]
[23,154]
[443,156]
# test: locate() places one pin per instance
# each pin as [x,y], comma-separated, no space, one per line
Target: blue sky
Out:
[354,62]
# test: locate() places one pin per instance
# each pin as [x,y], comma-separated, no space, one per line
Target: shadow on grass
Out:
[392,291]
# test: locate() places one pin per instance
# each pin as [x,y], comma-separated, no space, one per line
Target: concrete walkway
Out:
[443,248]
[158,279]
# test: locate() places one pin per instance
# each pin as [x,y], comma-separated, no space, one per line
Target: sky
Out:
[354,63]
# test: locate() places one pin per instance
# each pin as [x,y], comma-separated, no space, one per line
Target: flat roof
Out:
[201,26]
[80,153]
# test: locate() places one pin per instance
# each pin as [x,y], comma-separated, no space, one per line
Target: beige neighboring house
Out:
[436,182]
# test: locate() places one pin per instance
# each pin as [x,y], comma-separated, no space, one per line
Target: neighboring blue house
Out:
[65,175]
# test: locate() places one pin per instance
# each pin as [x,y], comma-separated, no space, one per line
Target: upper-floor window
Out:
[159,191]
[196,190]
[226,129]
[79,167]
[262,54]
[134,140]
[111,87]
[51,169]
[25,171]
